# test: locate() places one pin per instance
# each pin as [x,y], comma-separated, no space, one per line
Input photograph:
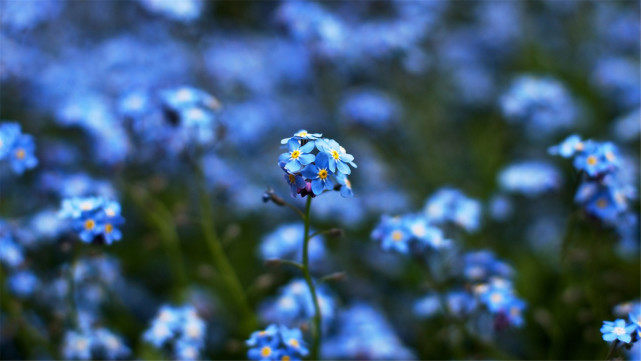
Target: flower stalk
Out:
[316,335]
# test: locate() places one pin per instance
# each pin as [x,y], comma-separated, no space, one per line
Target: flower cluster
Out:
[173,119]
[541,104]
[180,327]
[605,191]
[278,343]
[294,305]
[312,174]
[449,205]
[411,232]
[16,148]
[486,286]
[626,330]
[94,219]
[94,344]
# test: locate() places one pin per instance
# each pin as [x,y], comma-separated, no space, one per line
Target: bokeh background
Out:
[424,94]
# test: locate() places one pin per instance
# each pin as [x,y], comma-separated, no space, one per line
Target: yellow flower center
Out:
[295,154]
[20,153]
[293,342]
[90,224]
[322,174]
[110,212]
[335,155]
[302,133]
[109,228]
[285,358]
[496,297]
[397,236]
[602,203]
[265,351]
[592,160]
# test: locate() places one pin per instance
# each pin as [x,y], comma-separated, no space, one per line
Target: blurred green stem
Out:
[310,283]
[160,217]
[221,262]
[612,349]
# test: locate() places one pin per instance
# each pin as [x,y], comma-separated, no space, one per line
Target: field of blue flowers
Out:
[287,180]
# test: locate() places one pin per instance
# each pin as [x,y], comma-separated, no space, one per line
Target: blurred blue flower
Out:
[178,327]
[568,147]
[183,10]
[530,178]
[618,77]
[17,148]
[23,283]
[451,205]
[11,253]
[541,104]
[617,330]
[93,218]
[370,108]
[480,266]
[286,242]
[87,343]
[597,158]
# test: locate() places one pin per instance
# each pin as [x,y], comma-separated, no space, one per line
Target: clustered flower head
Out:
[499,299]
[604,191]
[94,219]
[277,342]
[313,165]
[88,343]
[179,327]
[173,119]
[16,148]
[406,233]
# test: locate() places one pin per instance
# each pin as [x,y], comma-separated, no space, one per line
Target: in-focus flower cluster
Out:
[94,219]
[626,330]
[17,150]
[278,343]
[313,165]
[606,190]
[179,328]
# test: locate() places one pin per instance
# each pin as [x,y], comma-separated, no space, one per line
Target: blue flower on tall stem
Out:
[319,173]
[297,155]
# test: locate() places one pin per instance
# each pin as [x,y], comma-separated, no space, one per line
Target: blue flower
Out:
[597,158]
[23,283]
[530,178]
[337,156]
[346,186]
[286,242]
[297,155]
[319,173]
[617,330]
[451,205]
[275,342]
[302,135]
[94,218]
[18,148]
[568,147]
[635,316]
[11,253]
[393,234]
[179,327]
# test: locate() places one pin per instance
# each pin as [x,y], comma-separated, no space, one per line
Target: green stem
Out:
[312,289]
[160,217]
[224,266]
[612,349]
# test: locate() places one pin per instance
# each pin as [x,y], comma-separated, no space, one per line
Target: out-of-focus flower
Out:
[294,305]
[286,242]
[23,283]
[407,233]
[178,327]
[370,108]
[619,79]
[11,253]
[277,342]
[364,333]
[182,10]
[541,104]
[530,178]
[16,148]
[480,266]
[451,205]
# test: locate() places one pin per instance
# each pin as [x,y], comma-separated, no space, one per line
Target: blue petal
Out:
[329,184]
[293,166]
[332,165]
[292,145]
[308,147]
[310,172]
[284,157]
[322,160]
[609,337]
[317,186]
[347,157]
[343,168]
[306,158]
[625,338]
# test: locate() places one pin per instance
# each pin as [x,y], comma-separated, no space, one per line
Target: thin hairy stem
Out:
[316,342]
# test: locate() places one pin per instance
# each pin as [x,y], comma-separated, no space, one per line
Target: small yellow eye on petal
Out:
[591,160]
[20,153]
